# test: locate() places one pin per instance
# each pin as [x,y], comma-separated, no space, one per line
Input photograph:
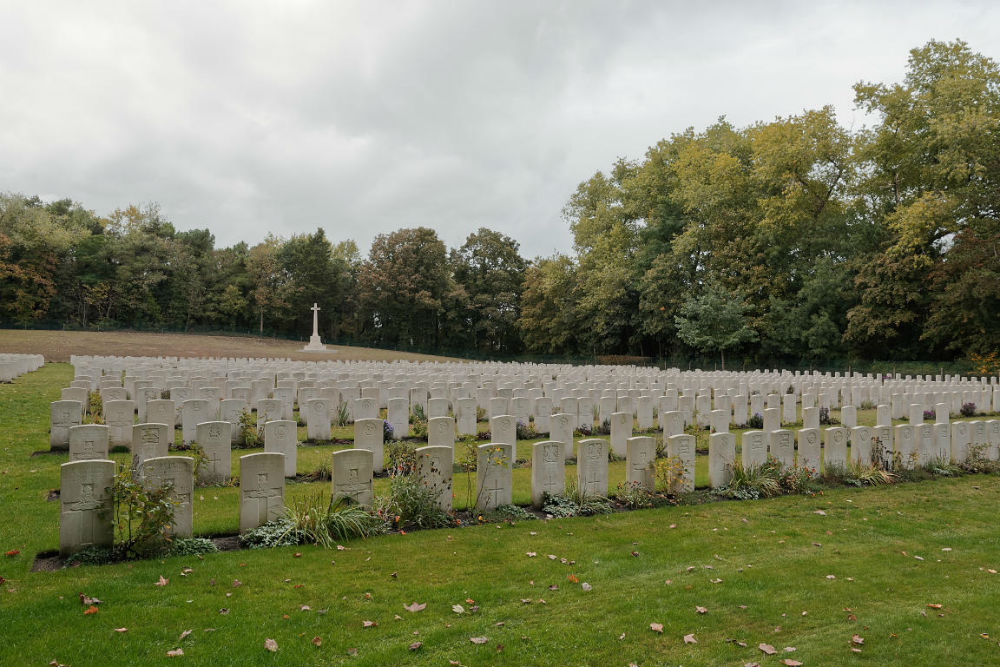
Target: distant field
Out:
[59,345]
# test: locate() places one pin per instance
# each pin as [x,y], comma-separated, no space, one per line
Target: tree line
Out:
[791,240]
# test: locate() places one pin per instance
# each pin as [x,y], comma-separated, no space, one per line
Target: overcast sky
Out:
[364,117]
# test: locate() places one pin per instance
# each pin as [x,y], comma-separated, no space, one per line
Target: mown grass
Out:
[773,558]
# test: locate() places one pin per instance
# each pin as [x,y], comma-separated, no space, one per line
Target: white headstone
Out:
[85,505]
[640,463]
[369,434]
[494,475]
[592,468]
[352,475]
[721,459]
[177,473]
[262,489]
[434,469]
[281,436]
[548,471]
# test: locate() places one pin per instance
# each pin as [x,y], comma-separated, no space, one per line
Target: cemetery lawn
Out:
[59,345]
[808,573]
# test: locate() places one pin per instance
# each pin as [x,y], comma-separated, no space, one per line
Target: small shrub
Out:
[277,533]
[480,414]
[418,413]
[756,421]
[402,458]
[414,503]
[583,431]
[509,514]
[867,405]
[191,546]
[977,461]
[634,495]
[604,428]
[342,417]
[752,482]
[324,522]
[859,474]
[525,431]
[561,506]
[826,419]
[968,409]
[95,408]
[92,556]
[248,435]
[419,428]
[142,517]
[669,473]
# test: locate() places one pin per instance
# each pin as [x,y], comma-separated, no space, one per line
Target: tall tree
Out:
[491,271]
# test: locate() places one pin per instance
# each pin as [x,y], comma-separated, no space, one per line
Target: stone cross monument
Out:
[315,344]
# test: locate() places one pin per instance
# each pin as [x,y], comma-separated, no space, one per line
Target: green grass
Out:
[772,556]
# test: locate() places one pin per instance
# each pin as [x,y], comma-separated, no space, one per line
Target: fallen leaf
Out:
[934,606]
[13,552]
[831,576]
[121,629]
[553,587]
[369,624]
[271,645]
[223,611]
[478,640]
[572,578]
[531,554]
[163,582]
[586,587]
[415,645]
[701,610]
[858,640]
[352,651]
[184,634]
[791,663]
[414,607]
[90,610]
[297,555]
[317,641]
[716,581]
[656,627]
[789,649]
[820,512]
[305,607]
[767,649]
[458,609]
[237,583]
[86,600]
[175,653]
[525,601]
[689,639]
[341,547]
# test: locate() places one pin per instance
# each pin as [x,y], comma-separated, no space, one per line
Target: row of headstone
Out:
[13,366]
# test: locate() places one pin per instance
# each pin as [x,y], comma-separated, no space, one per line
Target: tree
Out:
[549,321]
[403,288]
[714,321]
[491,272]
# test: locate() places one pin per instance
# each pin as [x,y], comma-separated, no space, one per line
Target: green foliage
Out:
[714,321]
[248,436]
[509,514]
[191,546]
[415,504]
[142,517]
[317,519]
[342,417]
[633,496]
[402,458]
[276,533]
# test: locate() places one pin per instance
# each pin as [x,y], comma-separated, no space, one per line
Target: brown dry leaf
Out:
[369,624]
[184,634]
[121,629]
[414,607]
[767,649]
[88,601]
[791,663]
[934,606]
[656,627]
[175,653]
[858,640]
[90,610]
[237,583]
[271,645]
[689,639]
[163,582]
[478,640]
[317,641]
[415,645]
[352,651]
[701,610]
[572,578]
